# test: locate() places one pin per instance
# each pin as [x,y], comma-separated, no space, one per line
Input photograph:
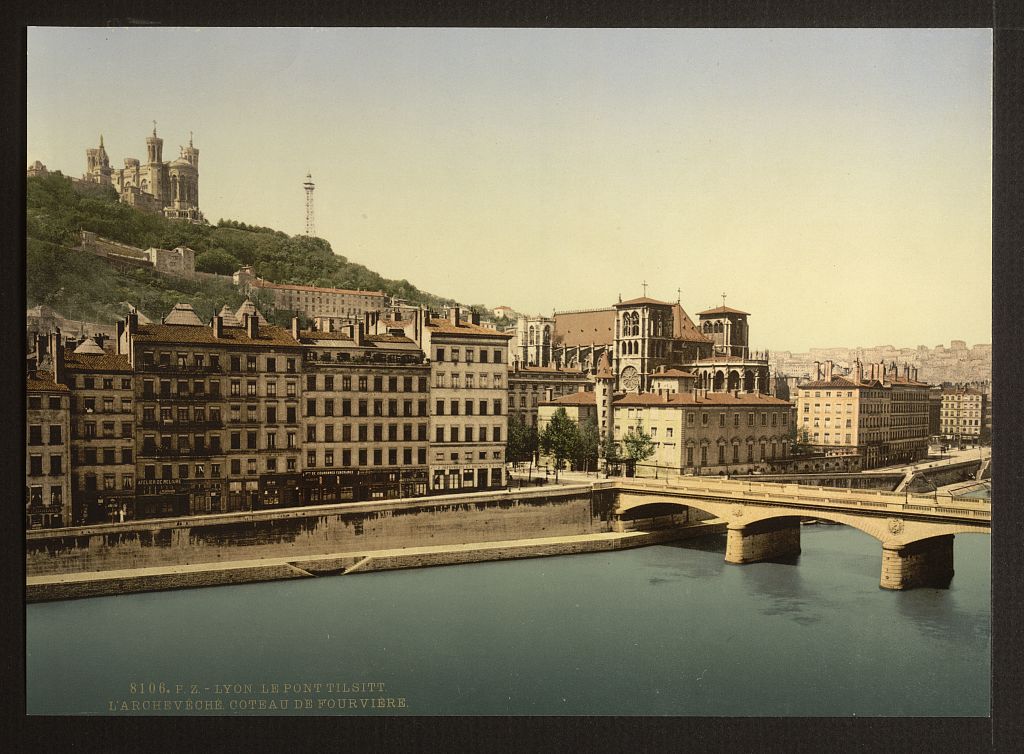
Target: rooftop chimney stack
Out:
[360,334]
[252,325]
[453,315]
[295,326]
[828,370]
[218,326]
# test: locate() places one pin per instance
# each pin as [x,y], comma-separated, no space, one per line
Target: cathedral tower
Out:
[643,341]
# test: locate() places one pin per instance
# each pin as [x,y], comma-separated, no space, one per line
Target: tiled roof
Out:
[587,398]
[268,335]
[550,370]
[672,373]
[721,310]
[92,362]
[182,314]
[42,382]
[730,361]
[312,288]
[463,328]
[643,300]
[684,328]
[688,399]
[248,307]
[841,382]
[389,339]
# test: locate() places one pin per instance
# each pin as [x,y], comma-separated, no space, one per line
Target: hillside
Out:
[81,287]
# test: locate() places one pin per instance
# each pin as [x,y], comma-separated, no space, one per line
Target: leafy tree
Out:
[560,439]
[517,446]
[218,261]
[638,444]
[586,450]
[799,441]
[610,448]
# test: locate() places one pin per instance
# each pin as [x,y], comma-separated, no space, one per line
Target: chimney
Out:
[120,334]
[817,370]
[252,326]
[100,339]
[858,372]
[828,370]
[360,334]
[40,349]
[218,326]
[474,317]
[295,326]
[57,358]
[454,315]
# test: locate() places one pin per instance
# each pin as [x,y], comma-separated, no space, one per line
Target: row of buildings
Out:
[185,417]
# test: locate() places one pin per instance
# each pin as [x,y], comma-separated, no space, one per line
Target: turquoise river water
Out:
[662,630]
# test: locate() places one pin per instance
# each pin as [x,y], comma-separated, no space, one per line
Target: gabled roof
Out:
[182,314]
[446,327]
[230,320]
[97,362]
[721,310]
[268,335]
[672,373]
[843,383]
[585,398]
[248,307]
[89,346]
[643,300]
[41,381]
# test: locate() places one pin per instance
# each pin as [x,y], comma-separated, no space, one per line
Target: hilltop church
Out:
[167,188]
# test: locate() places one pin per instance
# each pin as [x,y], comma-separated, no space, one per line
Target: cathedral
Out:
[635,342]
[167,188]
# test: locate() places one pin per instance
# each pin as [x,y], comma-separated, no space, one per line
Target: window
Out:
[250,466]
[311,459]
[250,363]
[310,407]
[126,455]
[704,419]
[55,466]
[236,467]
[362,383]
[440,354]
[35,434]
[497,407]
[310,382]
[439,434]
[378,457]
[328,457]
[721,420]
[35,402]
[272,389]
[362,456]
[329,407]
[271,414]
[497,357]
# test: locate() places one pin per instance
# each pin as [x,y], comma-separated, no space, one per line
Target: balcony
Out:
[182,397]
[181,453]
[156,368]
[175,425]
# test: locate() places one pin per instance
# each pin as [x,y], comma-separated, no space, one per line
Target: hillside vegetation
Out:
[80,286]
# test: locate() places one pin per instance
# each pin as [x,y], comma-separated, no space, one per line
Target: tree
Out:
[217,261]
[560,439]
[587,444]
[638,444]
[800,441]
[609,449]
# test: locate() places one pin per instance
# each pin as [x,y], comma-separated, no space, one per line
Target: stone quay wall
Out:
[321,530]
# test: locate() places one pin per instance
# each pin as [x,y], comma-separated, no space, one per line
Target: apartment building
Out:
[47,458]
[365,416]
[469,394]
[102,433]
[962,414]
[528,386]
[216,405]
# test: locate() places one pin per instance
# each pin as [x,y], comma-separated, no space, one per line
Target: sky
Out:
[836,184]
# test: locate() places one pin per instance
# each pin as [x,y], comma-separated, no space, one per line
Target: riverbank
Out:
[75,585]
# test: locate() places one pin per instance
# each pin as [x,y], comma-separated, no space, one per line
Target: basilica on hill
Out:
[168,188]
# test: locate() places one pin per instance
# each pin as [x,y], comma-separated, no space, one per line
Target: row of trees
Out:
[578,444]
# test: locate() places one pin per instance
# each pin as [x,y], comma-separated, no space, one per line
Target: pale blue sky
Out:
[835,183]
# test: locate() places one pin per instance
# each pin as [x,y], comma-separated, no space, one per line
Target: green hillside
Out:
[81,287]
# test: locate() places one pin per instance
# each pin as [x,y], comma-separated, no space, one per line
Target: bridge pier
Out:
[771,539]
[926,562]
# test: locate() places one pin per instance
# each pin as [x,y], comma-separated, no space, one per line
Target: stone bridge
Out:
[763,520]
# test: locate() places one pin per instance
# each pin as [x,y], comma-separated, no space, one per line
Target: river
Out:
[661,630]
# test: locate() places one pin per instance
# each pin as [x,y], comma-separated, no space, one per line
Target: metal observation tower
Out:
[310,224]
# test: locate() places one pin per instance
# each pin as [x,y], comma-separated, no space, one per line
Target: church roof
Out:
[673,373]
[721,310]
[183,314]
[643,300]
